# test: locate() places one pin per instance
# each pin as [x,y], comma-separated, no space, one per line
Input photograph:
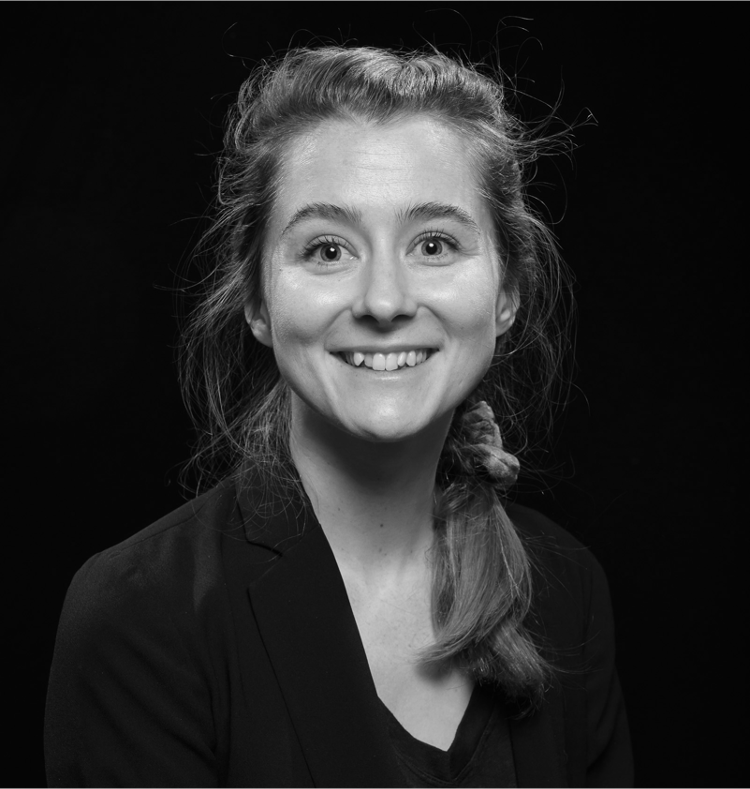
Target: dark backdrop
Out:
[111,115]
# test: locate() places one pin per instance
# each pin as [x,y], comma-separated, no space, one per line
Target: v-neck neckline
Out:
[466,740]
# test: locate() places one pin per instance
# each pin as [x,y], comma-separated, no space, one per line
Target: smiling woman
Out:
[356,602]
[388,254]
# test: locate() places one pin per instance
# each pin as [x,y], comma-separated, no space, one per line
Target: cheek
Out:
[299,311]
[472,306]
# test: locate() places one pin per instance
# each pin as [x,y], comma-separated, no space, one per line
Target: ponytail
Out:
[482,585]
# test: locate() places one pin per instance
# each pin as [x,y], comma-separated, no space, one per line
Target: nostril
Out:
[385,303]
[383,318]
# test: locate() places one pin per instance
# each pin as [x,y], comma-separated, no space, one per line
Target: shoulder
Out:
[142,656]
[570,586]
[174,563]
[552,546]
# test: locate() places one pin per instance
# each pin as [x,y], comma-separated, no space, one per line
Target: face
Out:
[382,291]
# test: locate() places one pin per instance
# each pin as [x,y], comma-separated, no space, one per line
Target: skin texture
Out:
[384,292]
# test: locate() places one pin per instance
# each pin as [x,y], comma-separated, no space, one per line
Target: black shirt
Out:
[479,756]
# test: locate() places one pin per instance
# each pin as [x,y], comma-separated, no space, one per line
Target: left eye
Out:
[432,247]
[329,253]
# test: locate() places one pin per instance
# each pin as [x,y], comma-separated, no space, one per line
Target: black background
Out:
[111,114]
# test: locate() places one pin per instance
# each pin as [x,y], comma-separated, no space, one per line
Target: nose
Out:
[385,292]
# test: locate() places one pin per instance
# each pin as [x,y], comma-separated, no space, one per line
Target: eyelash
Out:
[440,235]
[425,235]
[315,245]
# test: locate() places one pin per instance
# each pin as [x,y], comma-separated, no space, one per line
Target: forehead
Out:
[379,168]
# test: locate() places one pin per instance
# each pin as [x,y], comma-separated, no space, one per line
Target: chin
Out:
[393,429]
[380,436]
[377,420]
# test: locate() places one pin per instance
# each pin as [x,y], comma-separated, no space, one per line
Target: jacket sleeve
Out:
[128,703]
[609,758]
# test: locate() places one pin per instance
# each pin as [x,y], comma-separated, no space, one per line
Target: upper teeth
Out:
[385,361]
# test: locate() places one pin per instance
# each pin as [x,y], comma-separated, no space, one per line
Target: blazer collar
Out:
[309,632]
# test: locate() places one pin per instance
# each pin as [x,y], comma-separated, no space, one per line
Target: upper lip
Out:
[400,348]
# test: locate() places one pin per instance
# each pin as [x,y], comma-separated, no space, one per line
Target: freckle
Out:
[381,525]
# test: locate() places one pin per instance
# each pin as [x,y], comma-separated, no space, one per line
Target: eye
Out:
[432,247]
[329,253]
[436,245]
[324,251]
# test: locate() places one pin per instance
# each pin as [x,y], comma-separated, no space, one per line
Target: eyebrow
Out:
[430,210]
[434,210]
[323,211]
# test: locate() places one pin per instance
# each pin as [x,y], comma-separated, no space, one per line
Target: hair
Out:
[482,584]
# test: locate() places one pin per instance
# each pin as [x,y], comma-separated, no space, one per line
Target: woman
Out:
[355,603]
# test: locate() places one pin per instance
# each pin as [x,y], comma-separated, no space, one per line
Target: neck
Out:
[374,500]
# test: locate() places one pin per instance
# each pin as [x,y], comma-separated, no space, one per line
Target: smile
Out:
[386,361]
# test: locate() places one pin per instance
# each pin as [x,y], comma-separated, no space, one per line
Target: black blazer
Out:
[217,647]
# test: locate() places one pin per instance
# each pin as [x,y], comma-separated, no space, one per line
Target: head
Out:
[290,104]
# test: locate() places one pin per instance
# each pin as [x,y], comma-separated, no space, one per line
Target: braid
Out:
[482,572]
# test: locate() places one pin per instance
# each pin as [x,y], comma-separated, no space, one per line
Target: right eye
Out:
[325,251]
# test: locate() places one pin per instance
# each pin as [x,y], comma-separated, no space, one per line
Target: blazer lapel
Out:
[302,610]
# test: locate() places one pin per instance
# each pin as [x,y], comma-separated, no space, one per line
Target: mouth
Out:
[387,361]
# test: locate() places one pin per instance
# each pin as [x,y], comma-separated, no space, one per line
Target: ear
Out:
[507,307]
[259,322]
